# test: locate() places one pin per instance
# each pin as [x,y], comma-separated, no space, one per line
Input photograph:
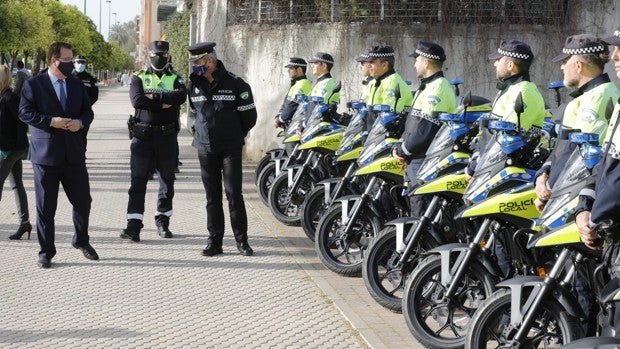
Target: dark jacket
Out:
[12,130]
[225,110]
[90,83]
[151,111]
[38,105]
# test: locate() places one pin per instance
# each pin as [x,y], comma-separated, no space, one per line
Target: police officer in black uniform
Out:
[156,94]
[225,113]
[89,81]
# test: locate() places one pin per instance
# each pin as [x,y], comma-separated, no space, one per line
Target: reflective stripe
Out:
[428,117]
[167,213]
[138,216]
[402,146]
[223,98]
[588,192]
[246,107]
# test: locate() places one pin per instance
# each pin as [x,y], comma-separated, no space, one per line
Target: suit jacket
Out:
[39,103]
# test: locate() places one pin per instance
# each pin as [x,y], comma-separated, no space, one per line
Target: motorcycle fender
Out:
[444,252]
[401,225]
[293,172]
[347,202]
[518,309]
[275,153]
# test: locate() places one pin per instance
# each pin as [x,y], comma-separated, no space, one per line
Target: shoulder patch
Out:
[432,99]
[244,95]
[390,93]
[588,115]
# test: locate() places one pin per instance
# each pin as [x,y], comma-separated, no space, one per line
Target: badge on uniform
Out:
[434,100]
[244,95]
[588,115]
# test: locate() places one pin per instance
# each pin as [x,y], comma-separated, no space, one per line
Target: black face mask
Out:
[66,68]
[159,62]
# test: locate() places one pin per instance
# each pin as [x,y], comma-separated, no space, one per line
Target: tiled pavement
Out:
[162,293]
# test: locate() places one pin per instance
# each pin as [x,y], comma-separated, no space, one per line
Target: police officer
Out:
[225,113]
[322,64]
[600,202]
[300,85]
[583,59]
[364,68]
[512,62]
[89,81]
[434,96]
[156,94]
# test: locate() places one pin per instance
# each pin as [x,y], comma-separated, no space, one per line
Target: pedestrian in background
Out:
[89,82]
[13,148]
[21,75]
[225,113]
[56,106]
[156,94]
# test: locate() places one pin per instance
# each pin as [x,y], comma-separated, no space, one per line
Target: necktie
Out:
[63,95]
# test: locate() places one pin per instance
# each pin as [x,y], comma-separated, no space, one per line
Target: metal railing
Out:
[544,12]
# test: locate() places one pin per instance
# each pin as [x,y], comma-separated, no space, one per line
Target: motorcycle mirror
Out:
[338,87]
[519,108]
[609,109]
[467,100]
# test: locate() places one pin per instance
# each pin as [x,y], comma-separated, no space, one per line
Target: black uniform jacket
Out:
[225,110]
[152,111]
[91,85]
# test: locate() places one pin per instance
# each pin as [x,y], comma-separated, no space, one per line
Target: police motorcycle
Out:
[445,288]
[274,167]
[540,310]
[326,191]
[529,310]
[322,134]
[346,228]
[272,154]
[395,250]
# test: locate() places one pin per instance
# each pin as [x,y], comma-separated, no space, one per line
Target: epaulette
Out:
[232,75]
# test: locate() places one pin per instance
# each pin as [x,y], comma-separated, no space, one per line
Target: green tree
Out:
[25,27]
[124,35]
[176,32]
[69,25]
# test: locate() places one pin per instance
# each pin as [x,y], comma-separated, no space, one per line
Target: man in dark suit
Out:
[56,106]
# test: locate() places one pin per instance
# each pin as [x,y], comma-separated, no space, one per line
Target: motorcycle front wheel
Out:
[438,322]
[344,253]
[552,328]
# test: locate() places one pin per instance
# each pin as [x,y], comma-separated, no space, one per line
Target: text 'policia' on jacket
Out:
[169,89]
[225,110]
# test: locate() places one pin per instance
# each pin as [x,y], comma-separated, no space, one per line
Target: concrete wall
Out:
[258,53]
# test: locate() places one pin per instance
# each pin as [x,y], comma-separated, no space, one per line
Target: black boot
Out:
[23,229]
[132,232]
[164,232]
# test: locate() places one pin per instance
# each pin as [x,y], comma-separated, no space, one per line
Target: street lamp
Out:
[114,13]
[109,16]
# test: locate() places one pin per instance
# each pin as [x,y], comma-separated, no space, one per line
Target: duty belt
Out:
[159,128]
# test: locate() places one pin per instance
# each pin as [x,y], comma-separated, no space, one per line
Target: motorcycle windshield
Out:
[296,120]
[435,153]
[377,134]
[354,135]
[574,172]
[490,156]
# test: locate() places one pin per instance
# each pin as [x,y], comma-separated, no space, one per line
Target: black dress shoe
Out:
[164,232]
[133,235]
[44,263]
[245,248]
[211,250]
[88,251]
